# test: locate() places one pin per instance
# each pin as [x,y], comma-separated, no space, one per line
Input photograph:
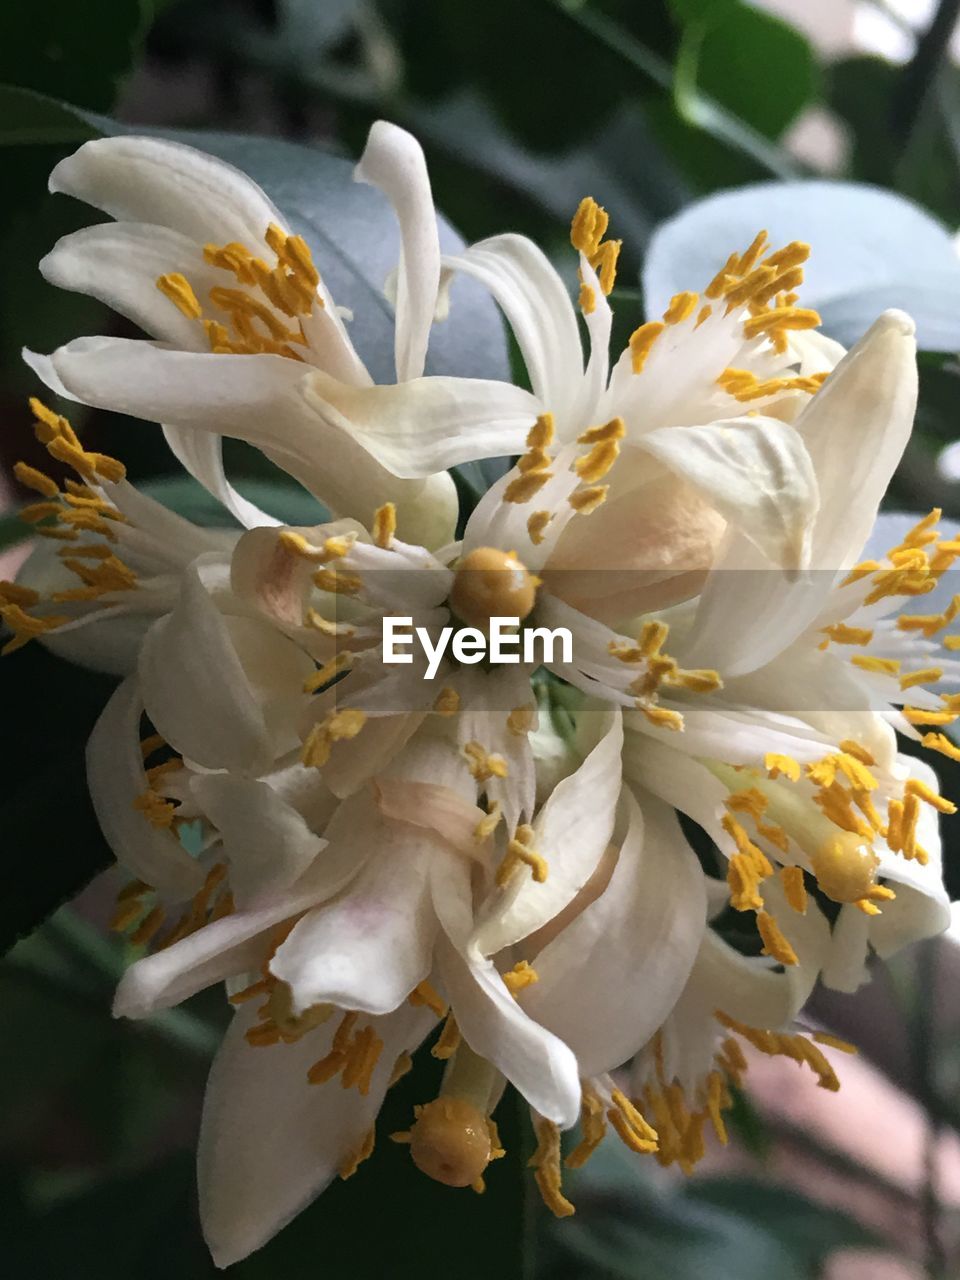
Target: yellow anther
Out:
[615,429]
[940,742]
[630,1125]
[662,717]
[384,525]
[921,715]
[447,702]
[520,720]
[857,750]
[642,341]
[177,288]
[336,726]
[775,763]
[491,583]
[449,1040]
[352,1162]
[158,811]
[779,320]
[594,465]
[424,993]
[682,307]
[540,435]
[774,942]
[329,671]
[840,633]
[926,675]
[834,1042]
[546,1161]
[520,851]
[519,977]
[31,478]
[585,501]
[593,1129]
[588,227]
[586,299]
[915,787]
[450,1141]
[537,526]
[488,824]
[525,486]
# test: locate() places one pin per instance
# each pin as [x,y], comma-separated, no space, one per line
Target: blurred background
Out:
[522,106]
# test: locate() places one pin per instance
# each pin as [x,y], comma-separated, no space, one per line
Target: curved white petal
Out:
[571,832]
[538,309]
[152,180]
[120,262]
[266,841]
[115,776]
[374,944]
[268,401]
[269,1141]
[201,453]
[756,472]
[427,424]
[492,1023]
[219,689]
[393,161]
[639,940]
[855,430]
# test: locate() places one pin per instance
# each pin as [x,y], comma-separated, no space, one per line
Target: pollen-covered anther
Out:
[450,1141]
[587,230]
[520,852]
[490,583]
[336,726]
[546,1161]
[483,764]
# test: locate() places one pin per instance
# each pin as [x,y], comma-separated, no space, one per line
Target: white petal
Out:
[152,180]
[374,944]
[119,263]
[538,309]
[201,453]
[571,832]
[855,430]
[207,681]
[427,424]
[639,940]
[261,399]
[269,1141]
[393,161]
[492,1023]
[266,841]
[115,776]
[756,472]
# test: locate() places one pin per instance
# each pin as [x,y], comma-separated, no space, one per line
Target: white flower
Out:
[201,260]
[702,400]
[794,764]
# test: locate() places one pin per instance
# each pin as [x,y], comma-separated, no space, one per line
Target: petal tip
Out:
[894,320]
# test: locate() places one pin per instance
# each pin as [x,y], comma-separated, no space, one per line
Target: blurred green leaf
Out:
[628,1228]
[28,118]
[757,66]
[81,49]
[702,10]
[12,531]
[50,831]
[810,1230]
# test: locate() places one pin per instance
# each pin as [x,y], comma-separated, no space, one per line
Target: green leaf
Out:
[80,50]
[702,10]
[28,118]
[12,531]
[626,1228]
[51,836]
[760,68]
[809,1230]
[284,499]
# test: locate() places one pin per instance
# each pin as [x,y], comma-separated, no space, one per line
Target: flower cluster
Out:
[493,860]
